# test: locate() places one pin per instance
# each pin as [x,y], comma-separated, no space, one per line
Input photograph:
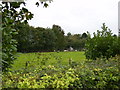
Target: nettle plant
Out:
[103,44]
[13,14]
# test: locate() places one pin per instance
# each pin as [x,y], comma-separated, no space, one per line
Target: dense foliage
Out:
[31,39]
[11,17]
[103,44]
[77,41]
[60,38]
[39,39]
[101,73]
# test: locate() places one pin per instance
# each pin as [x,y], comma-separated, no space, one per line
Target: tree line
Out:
[39,39]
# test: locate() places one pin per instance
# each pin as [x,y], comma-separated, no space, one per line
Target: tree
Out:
[103,44]
[76,41]
[68,34]
[46,39]
[25,37]
[35,39]
[60,39]
[84,35]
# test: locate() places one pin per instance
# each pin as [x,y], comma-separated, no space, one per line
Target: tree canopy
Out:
[41,39]
[103,44]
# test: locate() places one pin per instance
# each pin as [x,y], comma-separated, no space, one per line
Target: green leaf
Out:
[45,5]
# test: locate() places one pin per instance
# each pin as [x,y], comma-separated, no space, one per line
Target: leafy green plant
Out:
[103,44]
[103,74]
[10,17]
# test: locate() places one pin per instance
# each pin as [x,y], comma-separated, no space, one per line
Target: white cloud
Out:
[76,16]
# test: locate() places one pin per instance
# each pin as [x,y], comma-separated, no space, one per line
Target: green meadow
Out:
[35,60]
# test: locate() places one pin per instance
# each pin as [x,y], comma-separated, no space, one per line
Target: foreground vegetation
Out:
[101,73]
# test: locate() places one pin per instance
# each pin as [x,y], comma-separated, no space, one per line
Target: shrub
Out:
[93,74]
[98,74]
[103,44]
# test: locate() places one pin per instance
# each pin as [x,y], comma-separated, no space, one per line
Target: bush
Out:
[103,44]
[101,73]
[46,77]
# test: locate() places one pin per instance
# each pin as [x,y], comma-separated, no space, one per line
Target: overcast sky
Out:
[76,16]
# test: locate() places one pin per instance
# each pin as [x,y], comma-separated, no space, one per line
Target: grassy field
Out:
[35,60]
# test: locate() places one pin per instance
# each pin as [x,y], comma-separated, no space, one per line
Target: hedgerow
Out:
[90,74]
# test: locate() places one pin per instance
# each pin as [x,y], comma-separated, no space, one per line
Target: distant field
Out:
[34,60]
